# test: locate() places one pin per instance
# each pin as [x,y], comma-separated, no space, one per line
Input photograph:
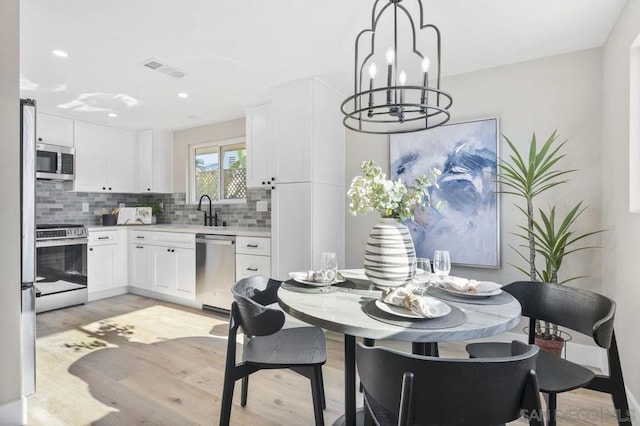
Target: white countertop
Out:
[243,231]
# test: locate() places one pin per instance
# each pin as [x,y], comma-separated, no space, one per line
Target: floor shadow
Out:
[154,383]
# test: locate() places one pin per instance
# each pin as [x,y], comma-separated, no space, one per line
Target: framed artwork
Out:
[466,154]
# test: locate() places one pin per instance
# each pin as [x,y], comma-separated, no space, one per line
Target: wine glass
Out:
[329,266]
[441,263]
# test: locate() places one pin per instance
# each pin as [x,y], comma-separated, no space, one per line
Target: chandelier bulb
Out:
[402,78]
[426,64]
[373,70]
[390,56]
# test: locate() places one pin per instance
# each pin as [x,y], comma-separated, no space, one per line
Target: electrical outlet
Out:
[161,205]
[262,206]
[85,207]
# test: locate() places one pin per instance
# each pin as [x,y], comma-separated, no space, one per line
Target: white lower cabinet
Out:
[253,257]
[106,263]
[163,263]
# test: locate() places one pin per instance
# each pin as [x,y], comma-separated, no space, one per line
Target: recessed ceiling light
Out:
[112,114]
[183,95]
[60,53]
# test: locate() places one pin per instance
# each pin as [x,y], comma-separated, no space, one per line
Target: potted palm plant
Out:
[545,234]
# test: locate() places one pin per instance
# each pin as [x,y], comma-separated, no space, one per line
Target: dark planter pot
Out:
[553,346]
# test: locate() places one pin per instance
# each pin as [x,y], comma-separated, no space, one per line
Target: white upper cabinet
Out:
[298,137]
[259,140]
[153,161]
[54,130]
[308,135]
[104,158]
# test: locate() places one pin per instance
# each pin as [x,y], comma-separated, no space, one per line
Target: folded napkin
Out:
[401,296]
[316,276]
[462,285]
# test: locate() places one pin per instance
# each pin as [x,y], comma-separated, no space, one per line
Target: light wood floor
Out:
[130,360]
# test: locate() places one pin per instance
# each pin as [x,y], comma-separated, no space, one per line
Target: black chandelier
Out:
[395,107]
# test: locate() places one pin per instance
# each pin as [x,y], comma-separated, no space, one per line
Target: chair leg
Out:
[618,391]
[317,395]
[321,379]
[227,397]
[245,390]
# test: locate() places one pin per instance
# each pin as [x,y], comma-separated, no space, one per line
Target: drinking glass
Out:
[329,266]
[441,263]
[422,277]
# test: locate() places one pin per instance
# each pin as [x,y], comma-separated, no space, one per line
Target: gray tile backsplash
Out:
[55,205]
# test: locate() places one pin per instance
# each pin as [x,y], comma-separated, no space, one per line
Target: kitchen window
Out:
[219,170]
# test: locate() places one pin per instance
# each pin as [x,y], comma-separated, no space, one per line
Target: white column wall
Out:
[620,260]
[10,380]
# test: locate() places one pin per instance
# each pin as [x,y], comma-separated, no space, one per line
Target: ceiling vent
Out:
[165,69]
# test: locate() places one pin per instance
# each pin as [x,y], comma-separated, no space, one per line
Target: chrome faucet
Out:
[207,217]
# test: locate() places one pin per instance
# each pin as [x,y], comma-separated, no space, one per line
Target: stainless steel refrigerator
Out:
[28,274]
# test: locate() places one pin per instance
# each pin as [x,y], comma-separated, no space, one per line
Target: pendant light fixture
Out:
[408,98]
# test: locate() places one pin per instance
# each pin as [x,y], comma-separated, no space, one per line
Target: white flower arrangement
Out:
[392,199]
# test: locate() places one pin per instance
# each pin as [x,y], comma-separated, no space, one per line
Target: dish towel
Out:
[400,296]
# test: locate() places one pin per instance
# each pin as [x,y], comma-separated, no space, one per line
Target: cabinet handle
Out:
[104,188]
[103,238]
[273,187]
[109,188]
[91,249]
[173,250]
[252,245]
[169,250]
[139,246]
[252,269]
[140,237]
[148,189]
[264,183]
[273,179]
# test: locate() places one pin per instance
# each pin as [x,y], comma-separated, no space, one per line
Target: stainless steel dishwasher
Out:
[215,270]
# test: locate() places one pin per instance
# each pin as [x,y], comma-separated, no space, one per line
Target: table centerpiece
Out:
[390,257]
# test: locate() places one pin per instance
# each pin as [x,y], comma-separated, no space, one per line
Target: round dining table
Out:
[343,310]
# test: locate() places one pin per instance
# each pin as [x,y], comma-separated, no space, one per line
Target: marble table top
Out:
[341,311]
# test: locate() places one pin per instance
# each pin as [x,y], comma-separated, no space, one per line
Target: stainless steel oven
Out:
[61,266]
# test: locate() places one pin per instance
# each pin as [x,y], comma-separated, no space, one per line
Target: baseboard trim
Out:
[97,295]
[14,413]
[166,297]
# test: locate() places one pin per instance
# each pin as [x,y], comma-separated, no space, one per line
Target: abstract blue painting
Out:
[468,225]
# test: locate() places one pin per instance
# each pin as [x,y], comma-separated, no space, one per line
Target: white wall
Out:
[620,261]
[10,382]
[562,92]
[210,133]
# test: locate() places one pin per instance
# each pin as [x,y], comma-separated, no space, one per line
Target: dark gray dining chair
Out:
[267,345]
[579,310]
[404,389]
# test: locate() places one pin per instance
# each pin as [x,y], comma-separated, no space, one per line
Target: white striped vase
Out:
[389,257]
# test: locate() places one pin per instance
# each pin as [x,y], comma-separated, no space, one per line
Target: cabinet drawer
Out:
[253,245]
[97,238]
[168,239]
[248,265]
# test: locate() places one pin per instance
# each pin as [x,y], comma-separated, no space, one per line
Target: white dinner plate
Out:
[316,283]
[485,289]
[442,309]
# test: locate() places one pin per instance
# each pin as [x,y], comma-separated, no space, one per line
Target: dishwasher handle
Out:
[222,240]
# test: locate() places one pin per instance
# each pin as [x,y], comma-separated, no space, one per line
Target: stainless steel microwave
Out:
[55,162]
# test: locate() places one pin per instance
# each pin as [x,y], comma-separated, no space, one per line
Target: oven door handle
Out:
[62,242]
